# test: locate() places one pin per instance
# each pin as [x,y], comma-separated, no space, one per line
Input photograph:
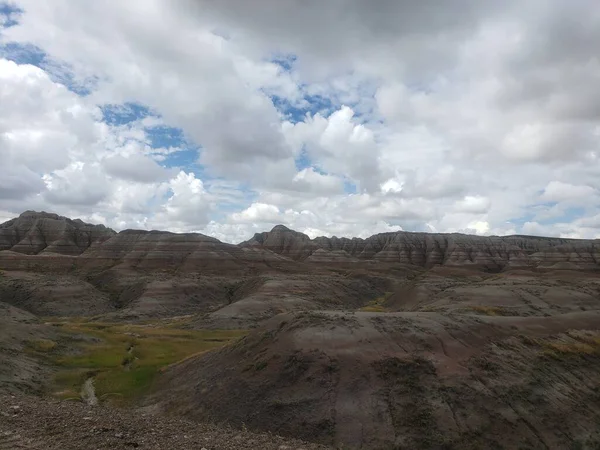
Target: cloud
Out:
[137,168]
[473,205]
[337,144]
[195,78]
[309,180]
[331,117]
[258,212]
[78,184]
[188,204]
[41,123]
[19,183]
[557,191]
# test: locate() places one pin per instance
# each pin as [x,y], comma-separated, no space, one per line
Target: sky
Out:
[345,117]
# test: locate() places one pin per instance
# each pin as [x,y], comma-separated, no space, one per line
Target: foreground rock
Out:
[404,380]
[29,422]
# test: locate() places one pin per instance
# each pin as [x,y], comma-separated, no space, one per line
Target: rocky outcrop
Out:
[428,249]
[285,242]
[34,233]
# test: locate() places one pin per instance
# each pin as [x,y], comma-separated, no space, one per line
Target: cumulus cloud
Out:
[557,191]
[333,118]
[135,168]
[339,145]
[309,180]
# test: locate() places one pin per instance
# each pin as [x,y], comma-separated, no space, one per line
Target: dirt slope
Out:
[404,380]
[19,370]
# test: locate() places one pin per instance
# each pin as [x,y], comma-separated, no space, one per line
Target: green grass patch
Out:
[125,359]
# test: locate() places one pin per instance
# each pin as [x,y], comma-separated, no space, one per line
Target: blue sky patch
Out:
[164,137]
[159,137]
[294,114]
[303,161]
[350,187]
[187,159]
[23,54]
[58,72]
[123,114]
[9,13]
[285,61]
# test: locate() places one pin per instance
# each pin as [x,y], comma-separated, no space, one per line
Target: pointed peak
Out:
[280,228]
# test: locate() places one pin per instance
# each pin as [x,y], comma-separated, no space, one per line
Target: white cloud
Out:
[337,144]
[78,184]
[465,117]
[188,204]
[135,167]
[309,180]
[557,191]
[258,212]
[473,204]
[42,124]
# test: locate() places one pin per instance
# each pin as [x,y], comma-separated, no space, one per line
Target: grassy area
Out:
[125,359]
[377,305]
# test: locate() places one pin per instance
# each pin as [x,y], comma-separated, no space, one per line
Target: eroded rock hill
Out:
[66,244]
[403,380]
[428,249]
[43,241]
[33,233]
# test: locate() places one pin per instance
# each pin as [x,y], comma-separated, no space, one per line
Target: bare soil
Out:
[28,422]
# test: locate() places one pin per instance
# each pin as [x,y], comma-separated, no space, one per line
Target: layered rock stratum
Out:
[430,249]
[53,236]
[34,233]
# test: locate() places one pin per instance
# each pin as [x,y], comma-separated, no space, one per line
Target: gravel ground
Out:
[28,422]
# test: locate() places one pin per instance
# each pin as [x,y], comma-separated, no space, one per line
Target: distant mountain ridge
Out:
[46,234]
[430,249]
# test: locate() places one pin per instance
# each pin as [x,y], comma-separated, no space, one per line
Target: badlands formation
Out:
[401,340]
